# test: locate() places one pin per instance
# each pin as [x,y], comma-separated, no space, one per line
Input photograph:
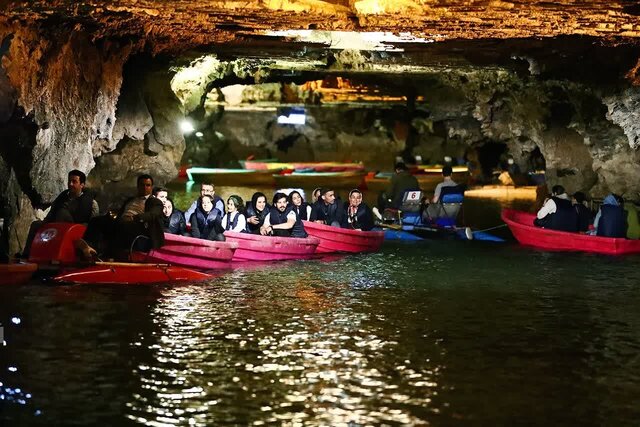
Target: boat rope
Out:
[490,228]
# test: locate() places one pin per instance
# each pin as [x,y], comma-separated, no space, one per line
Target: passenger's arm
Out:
[291,221]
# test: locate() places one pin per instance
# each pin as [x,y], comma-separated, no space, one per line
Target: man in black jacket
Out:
[139,216]
[75,204]
[328,210]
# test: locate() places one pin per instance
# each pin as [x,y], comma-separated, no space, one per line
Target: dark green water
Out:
[436,332]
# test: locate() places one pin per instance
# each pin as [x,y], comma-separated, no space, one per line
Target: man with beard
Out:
[282,220]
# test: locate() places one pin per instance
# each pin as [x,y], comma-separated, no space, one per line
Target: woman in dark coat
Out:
[206,221]
[256,211]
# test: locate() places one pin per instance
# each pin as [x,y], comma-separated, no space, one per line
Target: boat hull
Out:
[521,226]
[255,247]
[230,177]
[129,274]
[53,244]
[191,252]
[335,239]
[319,179]
[16,273]
[317,166]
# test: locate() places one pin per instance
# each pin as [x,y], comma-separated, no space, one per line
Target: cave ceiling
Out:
[257,28]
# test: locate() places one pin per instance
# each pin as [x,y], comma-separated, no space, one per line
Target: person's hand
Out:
[253,220]
[264,230]
[319,221]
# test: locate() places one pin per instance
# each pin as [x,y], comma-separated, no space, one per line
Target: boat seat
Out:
[411,201]
[445,212]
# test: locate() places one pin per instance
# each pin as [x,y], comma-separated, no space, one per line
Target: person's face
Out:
[355,199]
[145,187]
[74,185]
[329,197]
[207,205]
[167,208]
[261,203]
[207,190]
[162,195]
[296,199]
[231,207]
[281,204]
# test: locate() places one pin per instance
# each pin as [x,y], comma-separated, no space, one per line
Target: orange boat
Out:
[315,166]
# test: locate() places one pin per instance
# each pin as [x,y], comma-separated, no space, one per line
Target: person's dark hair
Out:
[255,197]
[290,198]
[618,198]
[325,190]
[237,200]
[79,174]
[278,196]
[207,183]
[557,189]
[143,177]
[580,197]
[401,166]
[157,190]
[170,200]
[201,198]
[447,171]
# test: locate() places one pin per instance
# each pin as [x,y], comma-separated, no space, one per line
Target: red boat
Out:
[125,273]
[191,252]
[16,273]
[521,225]
[255,247]
[53,244]
[335,239]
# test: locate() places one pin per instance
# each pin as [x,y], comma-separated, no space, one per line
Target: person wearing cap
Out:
[557,212]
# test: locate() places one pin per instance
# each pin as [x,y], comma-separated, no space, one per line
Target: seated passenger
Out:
[206,221]
[75,204]
[611,220]
[328,210]
[206,189]
[400,183]
[633,222]
[358,215]
[173,220]
[282,220]
[315,195]
[585,216]
[433,209]
[557,213]
[256,211]
[302,208]
[139,216]
[234,219]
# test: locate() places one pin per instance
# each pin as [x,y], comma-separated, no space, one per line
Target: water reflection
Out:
[301,348]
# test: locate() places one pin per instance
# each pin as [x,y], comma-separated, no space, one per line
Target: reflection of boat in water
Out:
[220,176]
[350,179]
[336,239]
[315,166]
[16,273]
[521,225]
[256,247]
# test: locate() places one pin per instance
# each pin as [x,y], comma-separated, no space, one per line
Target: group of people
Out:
[142,220]
[571,213]
[208,218]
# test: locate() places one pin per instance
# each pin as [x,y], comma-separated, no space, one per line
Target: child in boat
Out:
[206,221]
[173,220]
[302,208]
[256,211]
[358,215]
[234,219]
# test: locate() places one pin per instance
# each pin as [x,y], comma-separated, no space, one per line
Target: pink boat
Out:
[255,247]
[521,225]
[191,252]
[335,239]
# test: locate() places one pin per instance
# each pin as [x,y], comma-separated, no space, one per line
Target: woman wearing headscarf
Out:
[256,211]
[234,219]
[206,221]
[359,215]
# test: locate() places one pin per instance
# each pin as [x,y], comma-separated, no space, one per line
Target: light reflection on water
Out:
[305,355]
[424,333]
